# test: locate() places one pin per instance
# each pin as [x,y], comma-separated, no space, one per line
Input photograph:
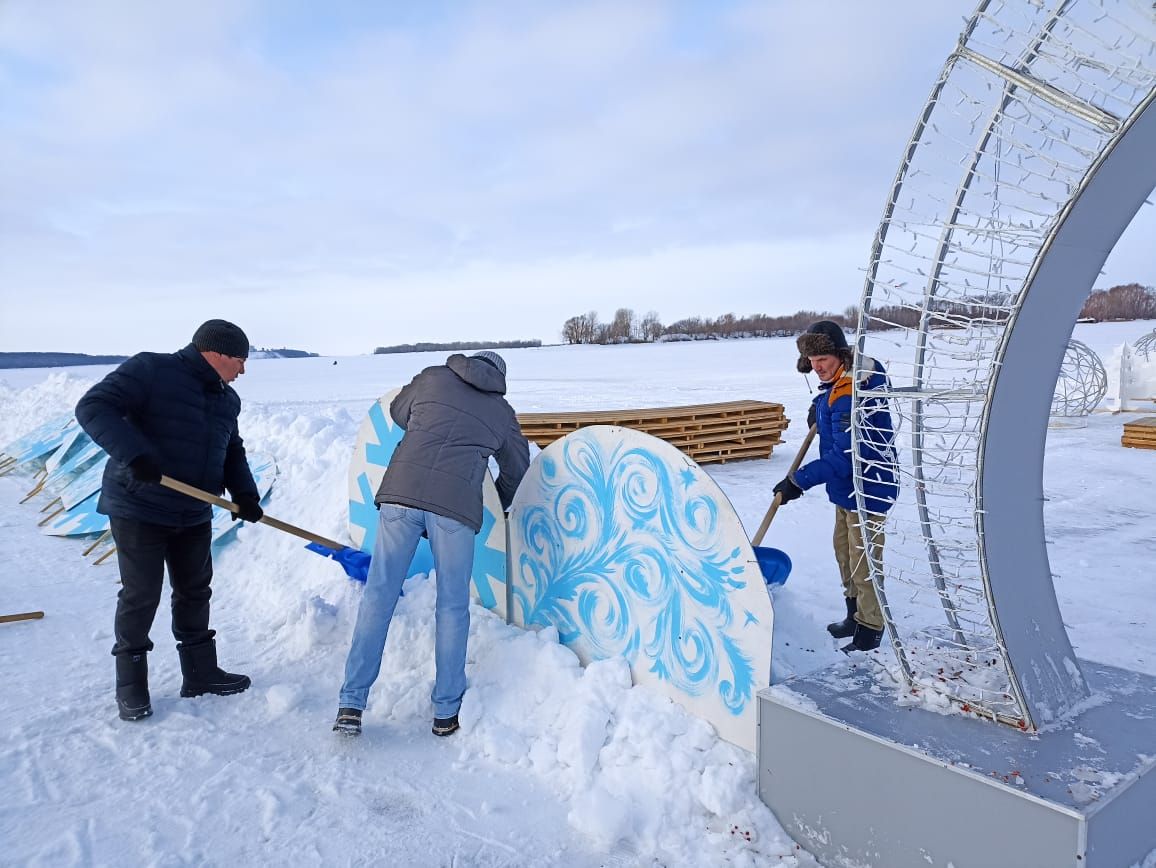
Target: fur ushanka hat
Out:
[823,338]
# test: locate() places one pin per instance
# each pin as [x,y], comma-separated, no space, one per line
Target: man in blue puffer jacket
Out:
[823,348]
[172,414]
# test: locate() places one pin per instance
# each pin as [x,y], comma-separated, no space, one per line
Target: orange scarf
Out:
[841,388]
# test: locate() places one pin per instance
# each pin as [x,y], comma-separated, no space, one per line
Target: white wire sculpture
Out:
[1030,158]
[1082,384]
[1146,345]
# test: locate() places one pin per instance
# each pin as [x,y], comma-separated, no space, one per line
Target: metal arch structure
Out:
[1035,150]
[1082,383]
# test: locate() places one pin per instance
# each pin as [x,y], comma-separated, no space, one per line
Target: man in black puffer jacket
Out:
[455,417]
[171,414]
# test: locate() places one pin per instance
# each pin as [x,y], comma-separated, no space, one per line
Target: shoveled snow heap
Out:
[555,764]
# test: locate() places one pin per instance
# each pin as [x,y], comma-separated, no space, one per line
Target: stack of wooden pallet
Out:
[706,432]
[1141,433]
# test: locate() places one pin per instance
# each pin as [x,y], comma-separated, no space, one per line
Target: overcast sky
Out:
[338,176]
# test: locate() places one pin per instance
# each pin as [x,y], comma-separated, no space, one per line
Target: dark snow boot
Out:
[348,721]
[865,639]
[445,725]
[846,627]
[203,675]
[132,686]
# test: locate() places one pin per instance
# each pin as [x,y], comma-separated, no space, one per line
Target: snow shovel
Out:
[775,564]
[353,561]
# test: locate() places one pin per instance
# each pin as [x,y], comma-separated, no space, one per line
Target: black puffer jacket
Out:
[454,418]
[174,407]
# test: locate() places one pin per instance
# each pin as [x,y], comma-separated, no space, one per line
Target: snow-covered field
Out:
[554,765]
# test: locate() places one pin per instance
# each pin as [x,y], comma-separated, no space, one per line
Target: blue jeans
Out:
[399,529]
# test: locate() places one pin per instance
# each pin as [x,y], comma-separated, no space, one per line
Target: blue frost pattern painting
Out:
[623,547]
[377,440]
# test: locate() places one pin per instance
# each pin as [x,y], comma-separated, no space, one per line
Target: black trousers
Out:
[143,550]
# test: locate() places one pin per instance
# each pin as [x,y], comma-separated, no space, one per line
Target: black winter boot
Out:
[846,627]
[348,721]
[132,686]
[865,639]
[203,675]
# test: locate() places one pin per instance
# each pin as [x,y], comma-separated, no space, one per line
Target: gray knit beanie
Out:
[493,358]
[222,337]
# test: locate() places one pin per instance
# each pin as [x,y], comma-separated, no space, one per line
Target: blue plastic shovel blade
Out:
[354,561]
[774,564]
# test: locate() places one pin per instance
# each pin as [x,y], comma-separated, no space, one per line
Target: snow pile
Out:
[633,773]
[22,410]
[637,770]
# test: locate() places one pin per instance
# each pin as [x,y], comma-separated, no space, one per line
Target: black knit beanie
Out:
[823,338]
[222,337]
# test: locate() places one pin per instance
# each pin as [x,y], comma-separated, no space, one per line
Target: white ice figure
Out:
[1131,380]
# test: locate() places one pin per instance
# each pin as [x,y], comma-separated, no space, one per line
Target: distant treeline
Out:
[456,346]
[1126,302]
[626,328]
[55,360]
[1129,301]
[286,353]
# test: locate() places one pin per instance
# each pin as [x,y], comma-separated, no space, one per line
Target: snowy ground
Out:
[554,765]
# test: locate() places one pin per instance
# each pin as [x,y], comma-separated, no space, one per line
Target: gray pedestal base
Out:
[861,781]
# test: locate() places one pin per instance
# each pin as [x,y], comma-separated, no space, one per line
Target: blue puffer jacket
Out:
[174,407]
[876,444]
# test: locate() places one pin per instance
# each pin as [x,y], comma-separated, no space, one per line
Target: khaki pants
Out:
[854,568]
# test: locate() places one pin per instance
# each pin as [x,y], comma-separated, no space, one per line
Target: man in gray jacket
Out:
[455,417]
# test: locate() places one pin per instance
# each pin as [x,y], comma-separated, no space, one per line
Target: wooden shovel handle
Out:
[777,502]
[22,616]
[193,491]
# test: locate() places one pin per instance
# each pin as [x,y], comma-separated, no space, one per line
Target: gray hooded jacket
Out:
[454,418]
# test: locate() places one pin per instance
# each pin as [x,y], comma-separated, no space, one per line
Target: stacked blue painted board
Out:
[73,470]
[37,443]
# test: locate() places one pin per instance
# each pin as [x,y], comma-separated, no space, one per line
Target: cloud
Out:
[351,311]
[550,158]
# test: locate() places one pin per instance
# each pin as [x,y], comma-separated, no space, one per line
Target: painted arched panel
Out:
[630,549]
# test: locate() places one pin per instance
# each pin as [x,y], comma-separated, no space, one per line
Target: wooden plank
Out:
[707,425]
[21,616]
[666,425]
[758,439]
[678,436]
[1138,444]
[728,430]
[1140,433]
[729,455]
[594,417]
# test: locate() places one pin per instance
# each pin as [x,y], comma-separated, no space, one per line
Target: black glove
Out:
[248,508]
[787,490]
[811,416]
[144,469]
